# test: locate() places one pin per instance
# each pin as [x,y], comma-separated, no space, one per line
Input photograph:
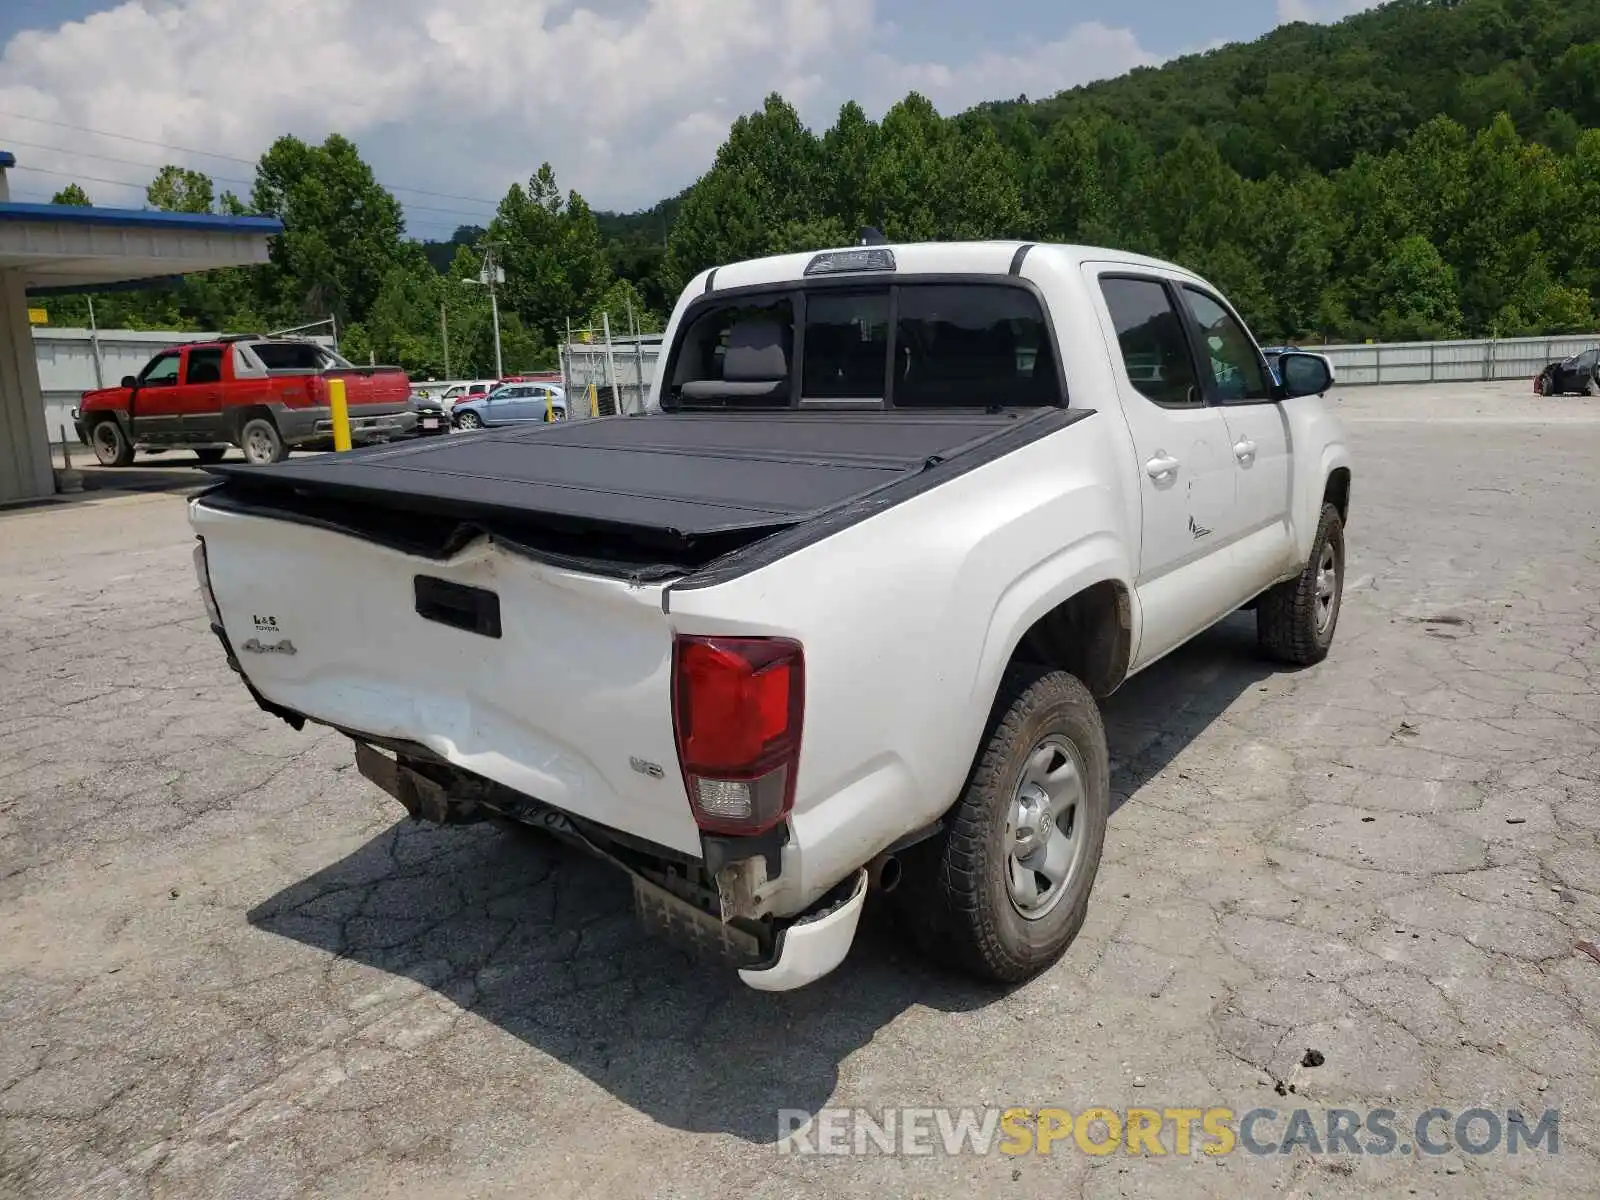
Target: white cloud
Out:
[1089,51]
[1318,12]
[627,98]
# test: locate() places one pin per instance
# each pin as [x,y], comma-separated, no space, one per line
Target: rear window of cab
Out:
[868,344]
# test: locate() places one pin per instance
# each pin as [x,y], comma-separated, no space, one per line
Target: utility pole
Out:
[488,277]
[444,337]
[94,347]
[494,309]
[492,274]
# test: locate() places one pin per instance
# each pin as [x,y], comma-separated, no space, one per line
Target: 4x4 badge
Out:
[257,646]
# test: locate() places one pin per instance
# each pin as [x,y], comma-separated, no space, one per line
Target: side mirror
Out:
[128,381]
[1303,375]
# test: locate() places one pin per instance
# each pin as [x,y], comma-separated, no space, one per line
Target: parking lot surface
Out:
[228,967]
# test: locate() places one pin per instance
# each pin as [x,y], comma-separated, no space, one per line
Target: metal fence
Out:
[1451,362]
[605,378]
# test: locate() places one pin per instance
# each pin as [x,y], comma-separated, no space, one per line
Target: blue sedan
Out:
[512,404]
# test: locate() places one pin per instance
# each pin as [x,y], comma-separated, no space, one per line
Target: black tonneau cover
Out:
[687,486]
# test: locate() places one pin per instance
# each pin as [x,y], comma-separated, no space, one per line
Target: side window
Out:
[205,366]
[1227,351]
[972,346]
[1154,348]
[846,346]
[162,371]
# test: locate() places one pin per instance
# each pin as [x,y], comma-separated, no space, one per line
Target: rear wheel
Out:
[261,442]
[1004,890]
[111,445]
[469,420]
[210,455]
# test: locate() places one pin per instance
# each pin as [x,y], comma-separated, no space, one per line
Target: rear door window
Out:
[205,366]
[1150,334]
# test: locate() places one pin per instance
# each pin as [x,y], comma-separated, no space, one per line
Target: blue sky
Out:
[628,99]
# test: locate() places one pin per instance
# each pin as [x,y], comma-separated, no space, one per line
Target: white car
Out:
[474,390]
[837,616]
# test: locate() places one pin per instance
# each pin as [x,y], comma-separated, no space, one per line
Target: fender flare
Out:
[1308,502]
[1053,581]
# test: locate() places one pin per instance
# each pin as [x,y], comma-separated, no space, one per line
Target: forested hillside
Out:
[1427,169]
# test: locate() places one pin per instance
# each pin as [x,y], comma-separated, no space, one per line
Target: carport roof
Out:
[60,246]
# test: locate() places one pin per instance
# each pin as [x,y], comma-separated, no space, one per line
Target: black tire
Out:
[1546,387]
[261,442]
[111,446]
[1296,621]
[210,455]
[957,892]
[469,420]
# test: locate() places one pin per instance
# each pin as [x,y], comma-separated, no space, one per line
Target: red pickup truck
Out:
[263,395]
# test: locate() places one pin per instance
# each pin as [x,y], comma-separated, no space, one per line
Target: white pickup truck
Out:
[833,616]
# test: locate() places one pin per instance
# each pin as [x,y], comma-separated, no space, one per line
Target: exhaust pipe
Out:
[883,873]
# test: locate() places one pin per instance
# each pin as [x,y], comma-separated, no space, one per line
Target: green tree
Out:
[342,230]
[73,195]
[178,189]
[1415,295]
[767,176]
[550,248]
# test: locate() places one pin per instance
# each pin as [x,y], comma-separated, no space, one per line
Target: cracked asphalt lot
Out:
[228,967]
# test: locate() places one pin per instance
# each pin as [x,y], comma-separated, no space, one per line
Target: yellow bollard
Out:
[549,408]
[594,401]
[340,411]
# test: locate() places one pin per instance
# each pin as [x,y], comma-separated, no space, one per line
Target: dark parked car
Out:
[431,417]
[1576,374]
[1273,354]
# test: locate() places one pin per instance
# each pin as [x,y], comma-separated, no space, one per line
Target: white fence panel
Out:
[1451,362]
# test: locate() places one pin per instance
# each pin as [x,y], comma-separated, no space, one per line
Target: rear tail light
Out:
[736,709]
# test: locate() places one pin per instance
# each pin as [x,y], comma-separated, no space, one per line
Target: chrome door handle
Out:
[1244,450]
[1161,466]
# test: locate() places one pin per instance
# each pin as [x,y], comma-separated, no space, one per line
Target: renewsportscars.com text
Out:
[1153,1132]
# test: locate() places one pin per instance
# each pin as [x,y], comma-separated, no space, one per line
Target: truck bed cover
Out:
[670,482]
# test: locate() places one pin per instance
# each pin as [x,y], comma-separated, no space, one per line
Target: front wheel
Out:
[1004,890]
[111,445]
[1546,387]
[1295,621]
[469,420]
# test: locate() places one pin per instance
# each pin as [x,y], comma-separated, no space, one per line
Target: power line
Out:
[229,157]
[74,176]
[449,212]
[126,162]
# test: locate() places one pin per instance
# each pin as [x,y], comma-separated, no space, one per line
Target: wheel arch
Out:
[237,418]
